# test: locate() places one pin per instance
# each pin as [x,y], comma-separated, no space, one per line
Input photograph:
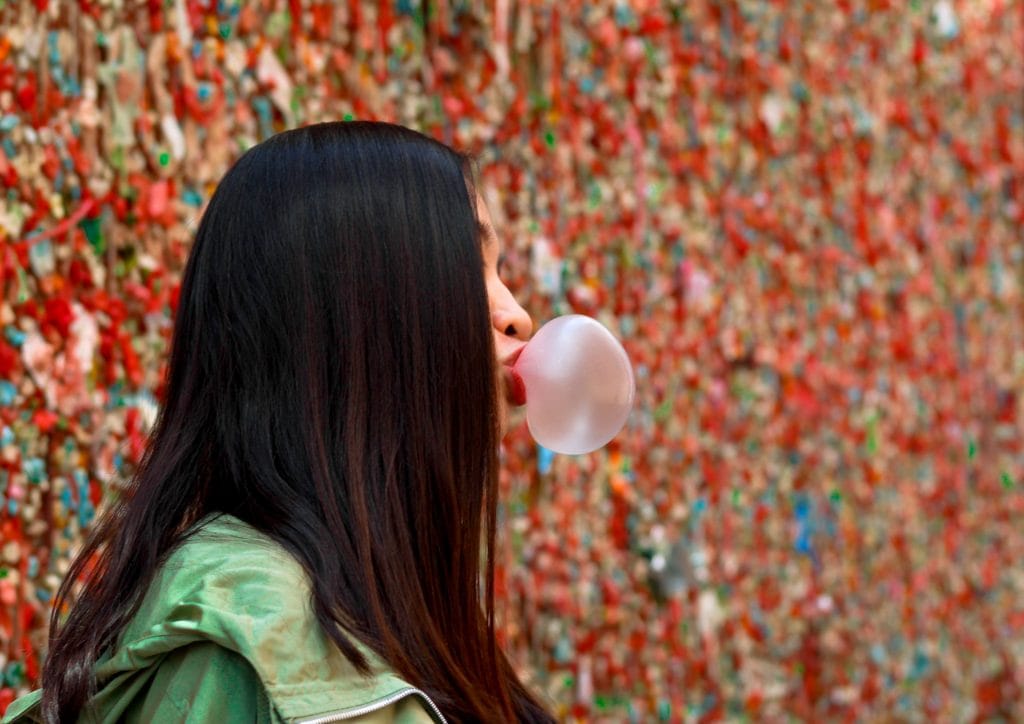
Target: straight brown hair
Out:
[331,382]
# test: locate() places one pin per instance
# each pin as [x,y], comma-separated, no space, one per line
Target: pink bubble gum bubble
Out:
[579,385]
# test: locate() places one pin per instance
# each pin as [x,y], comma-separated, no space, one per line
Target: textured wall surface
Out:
[804,219]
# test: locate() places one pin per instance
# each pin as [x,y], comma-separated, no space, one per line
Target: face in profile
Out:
[510,323]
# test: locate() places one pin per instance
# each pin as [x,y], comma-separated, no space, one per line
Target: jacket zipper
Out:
[372,707]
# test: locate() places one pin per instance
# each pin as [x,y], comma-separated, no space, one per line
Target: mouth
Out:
[515,390]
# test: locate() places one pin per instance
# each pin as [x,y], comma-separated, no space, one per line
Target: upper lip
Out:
[511,359]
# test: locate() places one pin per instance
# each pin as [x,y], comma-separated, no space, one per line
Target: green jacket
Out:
[226,634]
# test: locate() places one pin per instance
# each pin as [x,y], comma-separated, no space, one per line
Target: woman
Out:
[302,540]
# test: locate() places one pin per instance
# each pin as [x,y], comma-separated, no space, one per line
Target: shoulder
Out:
[232,587]
[226,583]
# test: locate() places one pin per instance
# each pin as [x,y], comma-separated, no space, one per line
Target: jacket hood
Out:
[232,585]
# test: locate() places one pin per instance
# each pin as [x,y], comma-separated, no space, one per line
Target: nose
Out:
[510,319]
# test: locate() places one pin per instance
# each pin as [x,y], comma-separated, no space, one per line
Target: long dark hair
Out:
[331,383]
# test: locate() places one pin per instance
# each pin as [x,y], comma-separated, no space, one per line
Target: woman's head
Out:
[336,286]
[346,258]
[332,381]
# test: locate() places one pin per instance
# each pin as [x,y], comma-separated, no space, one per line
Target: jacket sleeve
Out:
[202,682]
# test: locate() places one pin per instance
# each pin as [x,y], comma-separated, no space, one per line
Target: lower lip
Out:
[516,390]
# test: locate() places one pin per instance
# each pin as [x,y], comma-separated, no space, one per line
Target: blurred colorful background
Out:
[804,218]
